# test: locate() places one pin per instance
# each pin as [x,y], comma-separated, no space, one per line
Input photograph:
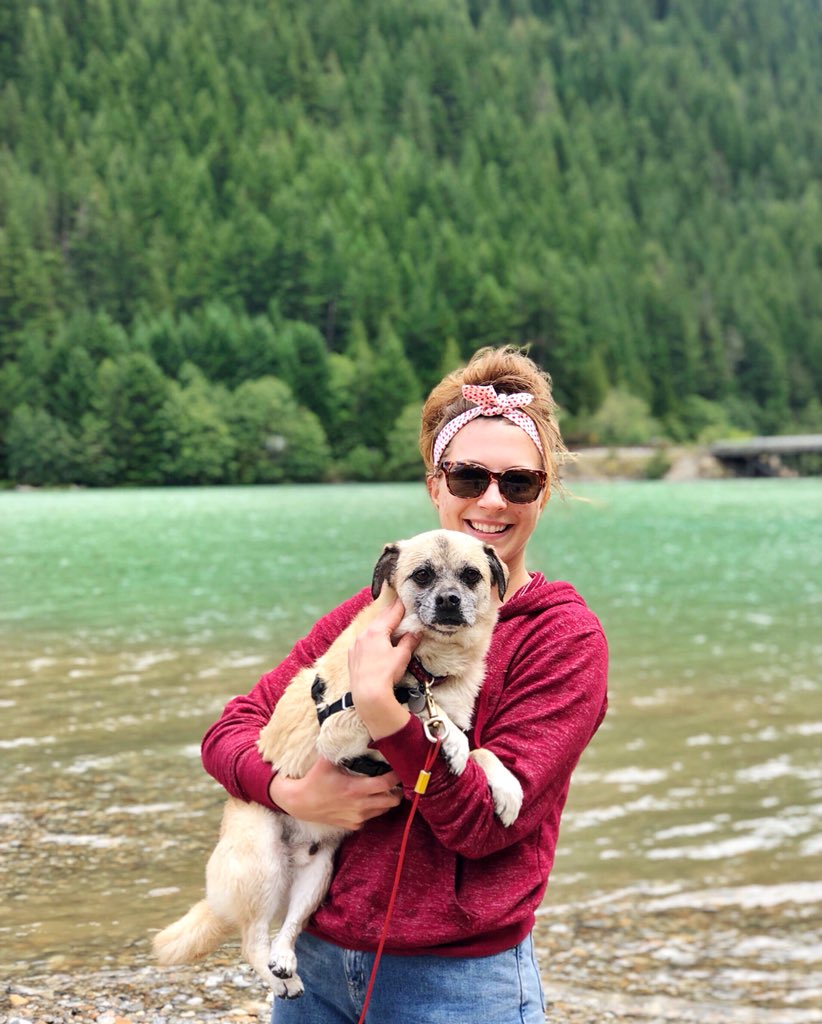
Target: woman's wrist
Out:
[385,718]
[279,791]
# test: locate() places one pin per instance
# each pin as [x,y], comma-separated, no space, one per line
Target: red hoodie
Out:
[469,886]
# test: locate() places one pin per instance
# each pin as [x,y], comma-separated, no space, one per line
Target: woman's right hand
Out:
[330,796]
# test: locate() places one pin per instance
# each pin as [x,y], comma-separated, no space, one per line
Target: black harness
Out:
[405,694]
[413,696]
[343,704]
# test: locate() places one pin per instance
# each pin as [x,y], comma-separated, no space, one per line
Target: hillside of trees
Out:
[240,239]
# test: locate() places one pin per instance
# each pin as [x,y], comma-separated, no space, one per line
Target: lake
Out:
[128,619]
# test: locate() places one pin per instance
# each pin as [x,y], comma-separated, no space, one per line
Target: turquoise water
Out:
[128,618]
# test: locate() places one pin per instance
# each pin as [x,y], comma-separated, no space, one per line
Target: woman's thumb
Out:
[407,643]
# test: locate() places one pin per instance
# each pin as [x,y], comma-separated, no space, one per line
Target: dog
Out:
[267,864]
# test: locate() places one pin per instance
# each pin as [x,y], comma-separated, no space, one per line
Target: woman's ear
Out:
[432,482]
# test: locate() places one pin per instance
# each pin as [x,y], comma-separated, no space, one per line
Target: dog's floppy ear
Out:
[384,569]
[498,573]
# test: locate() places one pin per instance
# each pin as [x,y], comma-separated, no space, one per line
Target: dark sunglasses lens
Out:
[467,481]
[520,486]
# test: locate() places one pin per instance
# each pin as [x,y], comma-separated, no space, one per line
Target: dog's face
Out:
[445,580]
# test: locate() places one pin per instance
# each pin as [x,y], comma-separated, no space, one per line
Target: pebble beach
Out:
[751,956]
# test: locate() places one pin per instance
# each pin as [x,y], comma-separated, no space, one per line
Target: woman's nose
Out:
[492,498]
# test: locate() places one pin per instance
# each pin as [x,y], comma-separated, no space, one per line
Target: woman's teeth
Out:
[488,527]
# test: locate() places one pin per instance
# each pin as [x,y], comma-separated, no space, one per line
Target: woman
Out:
[459,946]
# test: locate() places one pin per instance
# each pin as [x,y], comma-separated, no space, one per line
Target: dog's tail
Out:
[196,933]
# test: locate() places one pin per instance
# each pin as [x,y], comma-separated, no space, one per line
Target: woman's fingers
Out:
[329,796]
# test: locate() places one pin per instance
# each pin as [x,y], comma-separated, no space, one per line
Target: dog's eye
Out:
[471,576]
[422,576]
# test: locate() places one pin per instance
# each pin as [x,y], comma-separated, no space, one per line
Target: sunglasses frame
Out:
[498,478]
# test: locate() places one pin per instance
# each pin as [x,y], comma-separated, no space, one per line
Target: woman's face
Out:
[497,444]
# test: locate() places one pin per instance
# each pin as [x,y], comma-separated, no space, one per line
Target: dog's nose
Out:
[450,599]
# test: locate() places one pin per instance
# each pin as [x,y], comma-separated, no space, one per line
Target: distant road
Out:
[790,444]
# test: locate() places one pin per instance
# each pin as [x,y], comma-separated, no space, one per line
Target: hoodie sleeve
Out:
[229,748]
[553,699]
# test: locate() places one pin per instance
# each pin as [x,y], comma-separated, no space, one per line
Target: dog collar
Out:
[421,673]
[414,696]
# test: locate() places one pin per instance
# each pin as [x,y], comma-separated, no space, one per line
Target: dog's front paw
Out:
[507,801]
[289,988]
[455,749]
[506,792]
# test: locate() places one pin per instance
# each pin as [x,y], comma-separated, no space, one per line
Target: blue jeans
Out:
[500,989]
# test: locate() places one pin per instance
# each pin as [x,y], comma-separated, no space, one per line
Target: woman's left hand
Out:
[375,664]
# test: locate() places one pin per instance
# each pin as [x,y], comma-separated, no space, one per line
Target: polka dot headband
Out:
[488,403]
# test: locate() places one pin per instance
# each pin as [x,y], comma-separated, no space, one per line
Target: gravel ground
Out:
[706,960]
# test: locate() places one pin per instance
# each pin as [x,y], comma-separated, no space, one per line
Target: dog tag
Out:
[416,700]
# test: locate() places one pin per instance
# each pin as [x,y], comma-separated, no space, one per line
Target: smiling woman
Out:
[496,417]
[461,932]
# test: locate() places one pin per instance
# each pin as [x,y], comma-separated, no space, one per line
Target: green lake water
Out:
[128,618]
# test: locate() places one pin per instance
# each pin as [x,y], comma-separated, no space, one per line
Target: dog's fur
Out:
[267,864]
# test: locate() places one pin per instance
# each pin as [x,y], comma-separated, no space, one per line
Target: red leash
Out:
[419,789]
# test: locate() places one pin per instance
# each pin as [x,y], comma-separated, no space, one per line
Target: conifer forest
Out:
[241,239]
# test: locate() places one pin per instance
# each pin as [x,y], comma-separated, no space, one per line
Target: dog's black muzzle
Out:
[448,609]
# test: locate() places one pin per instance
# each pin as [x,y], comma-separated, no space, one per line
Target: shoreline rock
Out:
[720,958]
[643,462]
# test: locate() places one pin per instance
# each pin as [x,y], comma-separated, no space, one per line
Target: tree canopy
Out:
[240,239]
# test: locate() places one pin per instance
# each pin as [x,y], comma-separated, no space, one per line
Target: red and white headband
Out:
[488,403]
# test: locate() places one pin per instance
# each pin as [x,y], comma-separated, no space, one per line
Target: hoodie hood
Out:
[538,596]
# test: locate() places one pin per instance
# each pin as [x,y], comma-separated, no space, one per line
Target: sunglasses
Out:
[468,480]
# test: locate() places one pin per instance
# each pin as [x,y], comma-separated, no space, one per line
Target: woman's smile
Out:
[487,529]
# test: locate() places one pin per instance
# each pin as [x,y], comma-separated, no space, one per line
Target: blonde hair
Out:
[511,371]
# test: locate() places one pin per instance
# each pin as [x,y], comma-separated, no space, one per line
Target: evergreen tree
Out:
[132,403]
[39,448]
[260,191]
[199,437]
[389,383]
[276,440]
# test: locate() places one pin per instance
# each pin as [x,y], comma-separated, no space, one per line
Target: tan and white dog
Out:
[267,864]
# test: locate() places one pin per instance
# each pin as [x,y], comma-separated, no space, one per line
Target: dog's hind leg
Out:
[312,870]
[261,903]
[248,877]
[256,940]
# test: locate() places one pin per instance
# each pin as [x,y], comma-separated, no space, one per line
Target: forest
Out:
[241,239]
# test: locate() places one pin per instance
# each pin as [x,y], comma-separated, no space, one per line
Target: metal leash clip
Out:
[435,729]
[435,726]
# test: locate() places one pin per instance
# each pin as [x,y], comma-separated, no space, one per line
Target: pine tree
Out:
[131,403]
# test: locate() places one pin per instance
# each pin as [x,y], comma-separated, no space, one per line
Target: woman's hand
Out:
[330,796]
[374,666]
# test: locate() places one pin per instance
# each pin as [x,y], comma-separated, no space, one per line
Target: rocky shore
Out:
[751,956]
[643,462]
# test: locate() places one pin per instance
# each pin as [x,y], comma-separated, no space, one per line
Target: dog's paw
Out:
[283,964]
[506,792]
[289,988]
[507,802]
[455,749]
